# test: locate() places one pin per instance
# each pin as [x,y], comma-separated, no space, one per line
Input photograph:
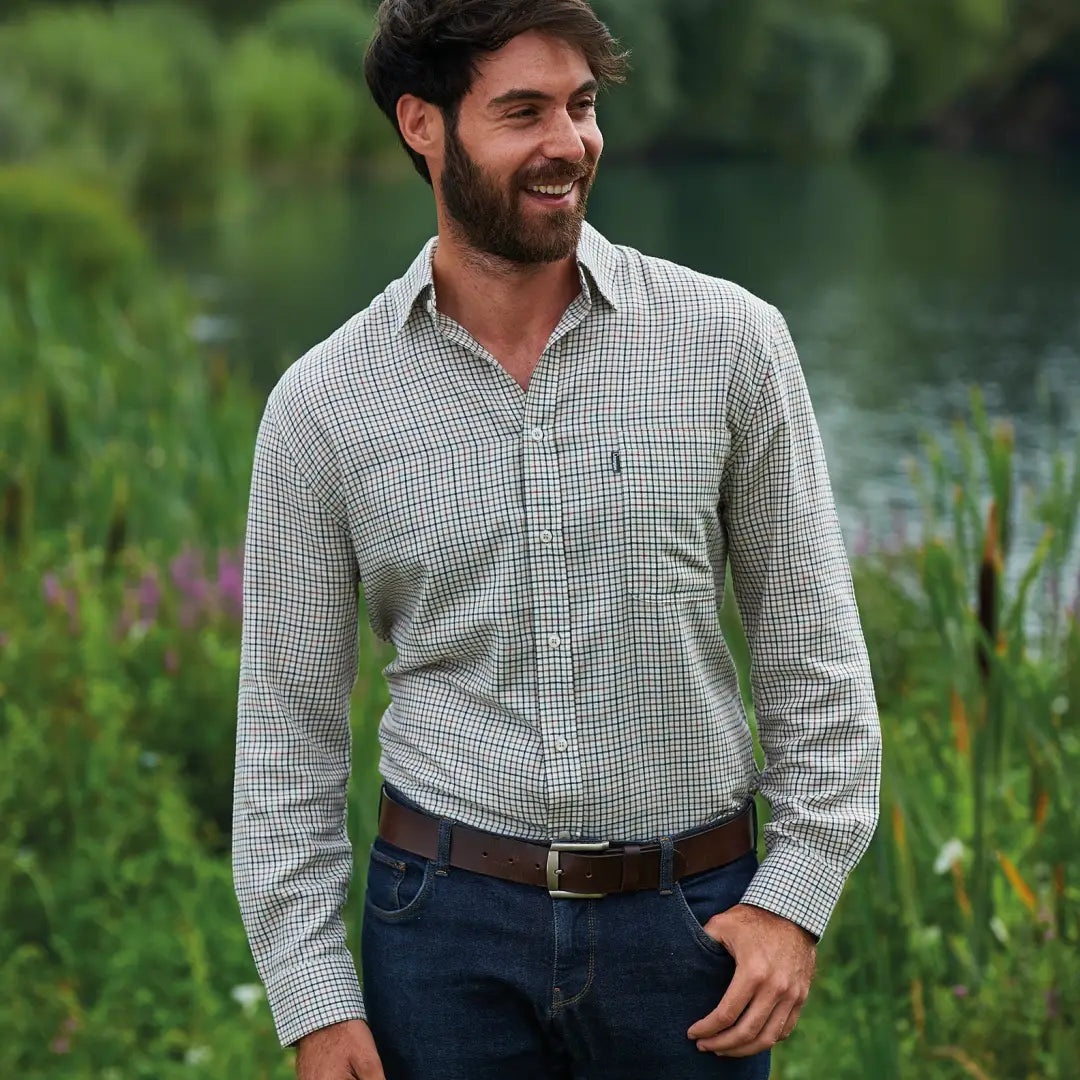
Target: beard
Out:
[492,220]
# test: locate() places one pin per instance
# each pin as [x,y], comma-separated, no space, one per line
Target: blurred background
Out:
[193,194]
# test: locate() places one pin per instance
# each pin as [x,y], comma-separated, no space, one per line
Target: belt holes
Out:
[537,866]
[588,873]
[484,854]
[511,860]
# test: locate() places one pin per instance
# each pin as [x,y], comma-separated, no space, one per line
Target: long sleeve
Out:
[813,693]
[292,860]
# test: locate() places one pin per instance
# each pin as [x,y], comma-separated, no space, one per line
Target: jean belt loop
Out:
[667,863]
[442,857]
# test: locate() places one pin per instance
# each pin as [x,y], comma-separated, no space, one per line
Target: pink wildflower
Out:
[149,595]
[230,584]
[50,586]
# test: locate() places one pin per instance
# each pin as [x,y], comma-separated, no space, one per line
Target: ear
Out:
[421,125]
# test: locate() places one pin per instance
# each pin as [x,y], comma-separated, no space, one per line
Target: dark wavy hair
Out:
[429,48]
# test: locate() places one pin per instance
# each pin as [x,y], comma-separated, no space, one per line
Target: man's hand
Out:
[344,1051]
[774,966]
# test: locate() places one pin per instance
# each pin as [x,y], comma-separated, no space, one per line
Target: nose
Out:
[562,140]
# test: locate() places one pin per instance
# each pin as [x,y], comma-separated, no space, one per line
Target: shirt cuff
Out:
[797,885]
[315,995]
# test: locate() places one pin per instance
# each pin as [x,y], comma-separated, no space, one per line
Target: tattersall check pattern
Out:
[548,566]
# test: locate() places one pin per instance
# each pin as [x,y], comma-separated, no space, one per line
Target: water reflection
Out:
[906,278]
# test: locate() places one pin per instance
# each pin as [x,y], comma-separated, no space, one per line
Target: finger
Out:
[747,1027]
[767,1035]
[793,1019]
[738,996]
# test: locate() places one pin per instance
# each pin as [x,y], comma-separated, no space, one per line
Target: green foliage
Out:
[633,116]
[966,880]
[113,425]
[773,75]
[120,942]
[820,78]
[940,47]
[81,235]
[336,31]
[119,99]
[185,169]
[288,112]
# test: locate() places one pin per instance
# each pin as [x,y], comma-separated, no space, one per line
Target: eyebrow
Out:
[511,97]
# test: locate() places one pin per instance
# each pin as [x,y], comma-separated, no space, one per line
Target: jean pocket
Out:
[708,893]
[398,883]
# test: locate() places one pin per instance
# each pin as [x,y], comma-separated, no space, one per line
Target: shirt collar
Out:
[596,261]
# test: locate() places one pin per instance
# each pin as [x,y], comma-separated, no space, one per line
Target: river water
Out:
[906,277]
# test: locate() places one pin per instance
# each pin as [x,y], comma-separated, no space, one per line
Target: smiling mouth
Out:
[555,195]
[552,190]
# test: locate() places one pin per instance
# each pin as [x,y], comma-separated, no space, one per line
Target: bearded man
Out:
[537,453]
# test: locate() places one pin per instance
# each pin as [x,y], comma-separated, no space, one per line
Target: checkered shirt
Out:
[548,566]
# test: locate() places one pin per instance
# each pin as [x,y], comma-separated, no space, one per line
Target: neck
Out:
[499,301]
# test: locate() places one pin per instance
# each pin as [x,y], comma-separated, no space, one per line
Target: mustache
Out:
[554,176]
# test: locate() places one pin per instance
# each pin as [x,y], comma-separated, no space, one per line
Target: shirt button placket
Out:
[551,616]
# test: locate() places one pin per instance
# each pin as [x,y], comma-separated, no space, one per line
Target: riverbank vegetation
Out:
[169,104]
[125,456]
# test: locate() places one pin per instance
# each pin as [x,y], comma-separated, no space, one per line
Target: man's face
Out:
[527,123]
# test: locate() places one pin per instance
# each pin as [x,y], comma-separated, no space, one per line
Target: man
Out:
[537,452]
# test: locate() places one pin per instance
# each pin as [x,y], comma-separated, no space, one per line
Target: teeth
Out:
[554,190]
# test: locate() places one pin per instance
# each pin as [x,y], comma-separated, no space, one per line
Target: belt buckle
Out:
[553,870]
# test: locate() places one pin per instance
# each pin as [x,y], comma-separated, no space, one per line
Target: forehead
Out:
[533,59]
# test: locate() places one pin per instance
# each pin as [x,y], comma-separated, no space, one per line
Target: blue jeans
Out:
[469,977]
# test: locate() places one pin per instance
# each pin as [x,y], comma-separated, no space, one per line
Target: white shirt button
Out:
[561,744]
[546,537]
[554,641]
[537,433]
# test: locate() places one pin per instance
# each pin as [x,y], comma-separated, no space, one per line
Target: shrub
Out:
[125,98]
[821,75]
[288,113]
[82,235]
[184,167]
[336,31]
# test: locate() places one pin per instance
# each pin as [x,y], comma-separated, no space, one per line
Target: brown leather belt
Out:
[567,869]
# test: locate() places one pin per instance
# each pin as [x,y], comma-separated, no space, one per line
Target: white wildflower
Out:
[999,930]
[949,856]
[247,996]
[1060,705]
[197,1055]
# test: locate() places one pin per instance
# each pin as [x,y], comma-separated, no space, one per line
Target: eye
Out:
[586,105]
[523,114]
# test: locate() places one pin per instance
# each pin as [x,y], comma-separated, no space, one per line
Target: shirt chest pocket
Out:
[670,497]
